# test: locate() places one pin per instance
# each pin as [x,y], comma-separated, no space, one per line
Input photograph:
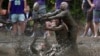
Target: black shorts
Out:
[88,16]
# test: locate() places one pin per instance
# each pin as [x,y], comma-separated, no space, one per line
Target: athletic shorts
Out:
[96,16]
[17,18]
[89,16]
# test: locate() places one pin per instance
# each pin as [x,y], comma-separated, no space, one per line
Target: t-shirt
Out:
[41,2]
[58,2]
[97,4]
[17,6]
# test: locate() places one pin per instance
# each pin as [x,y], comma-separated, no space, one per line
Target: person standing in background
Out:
[95,5]
[89,17]
[17,8]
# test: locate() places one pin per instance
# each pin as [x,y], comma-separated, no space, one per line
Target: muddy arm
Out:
[61,14]
[51,14]
[57,28]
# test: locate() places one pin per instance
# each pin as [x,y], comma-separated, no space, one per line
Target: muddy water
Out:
[19,46]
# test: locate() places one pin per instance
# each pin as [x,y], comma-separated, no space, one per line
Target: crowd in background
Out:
[91,9]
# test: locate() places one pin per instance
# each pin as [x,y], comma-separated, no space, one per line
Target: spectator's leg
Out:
[14,20]
[96,19]
[21,23]
[96,26]
[91,22]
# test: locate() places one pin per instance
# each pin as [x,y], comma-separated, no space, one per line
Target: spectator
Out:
[88,14]
[17,8]
[96,15]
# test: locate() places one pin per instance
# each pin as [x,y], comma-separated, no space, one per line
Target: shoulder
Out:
[65,11]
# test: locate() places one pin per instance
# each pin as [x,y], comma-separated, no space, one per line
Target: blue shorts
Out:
[96,16]
[17,18]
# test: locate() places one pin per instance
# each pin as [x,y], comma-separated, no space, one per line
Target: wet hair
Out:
[64,5]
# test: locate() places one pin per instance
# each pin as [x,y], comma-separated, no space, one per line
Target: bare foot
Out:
[95,36]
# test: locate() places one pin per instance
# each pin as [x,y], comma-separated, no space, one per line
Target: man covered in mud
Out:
[66,29]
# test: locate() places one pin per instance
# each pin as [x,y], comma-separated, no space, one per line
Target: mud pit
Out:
[89,46]
[19,46]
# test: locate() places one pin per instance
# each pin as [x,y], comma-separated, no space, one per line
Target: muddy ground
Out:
[13,46]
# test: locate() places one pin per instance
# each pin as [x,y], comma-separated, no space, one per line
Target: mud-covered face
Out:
[36,6]
[63,5]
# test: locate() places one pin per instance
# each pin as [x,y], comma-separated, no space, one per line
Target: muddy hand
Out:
[55,28]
